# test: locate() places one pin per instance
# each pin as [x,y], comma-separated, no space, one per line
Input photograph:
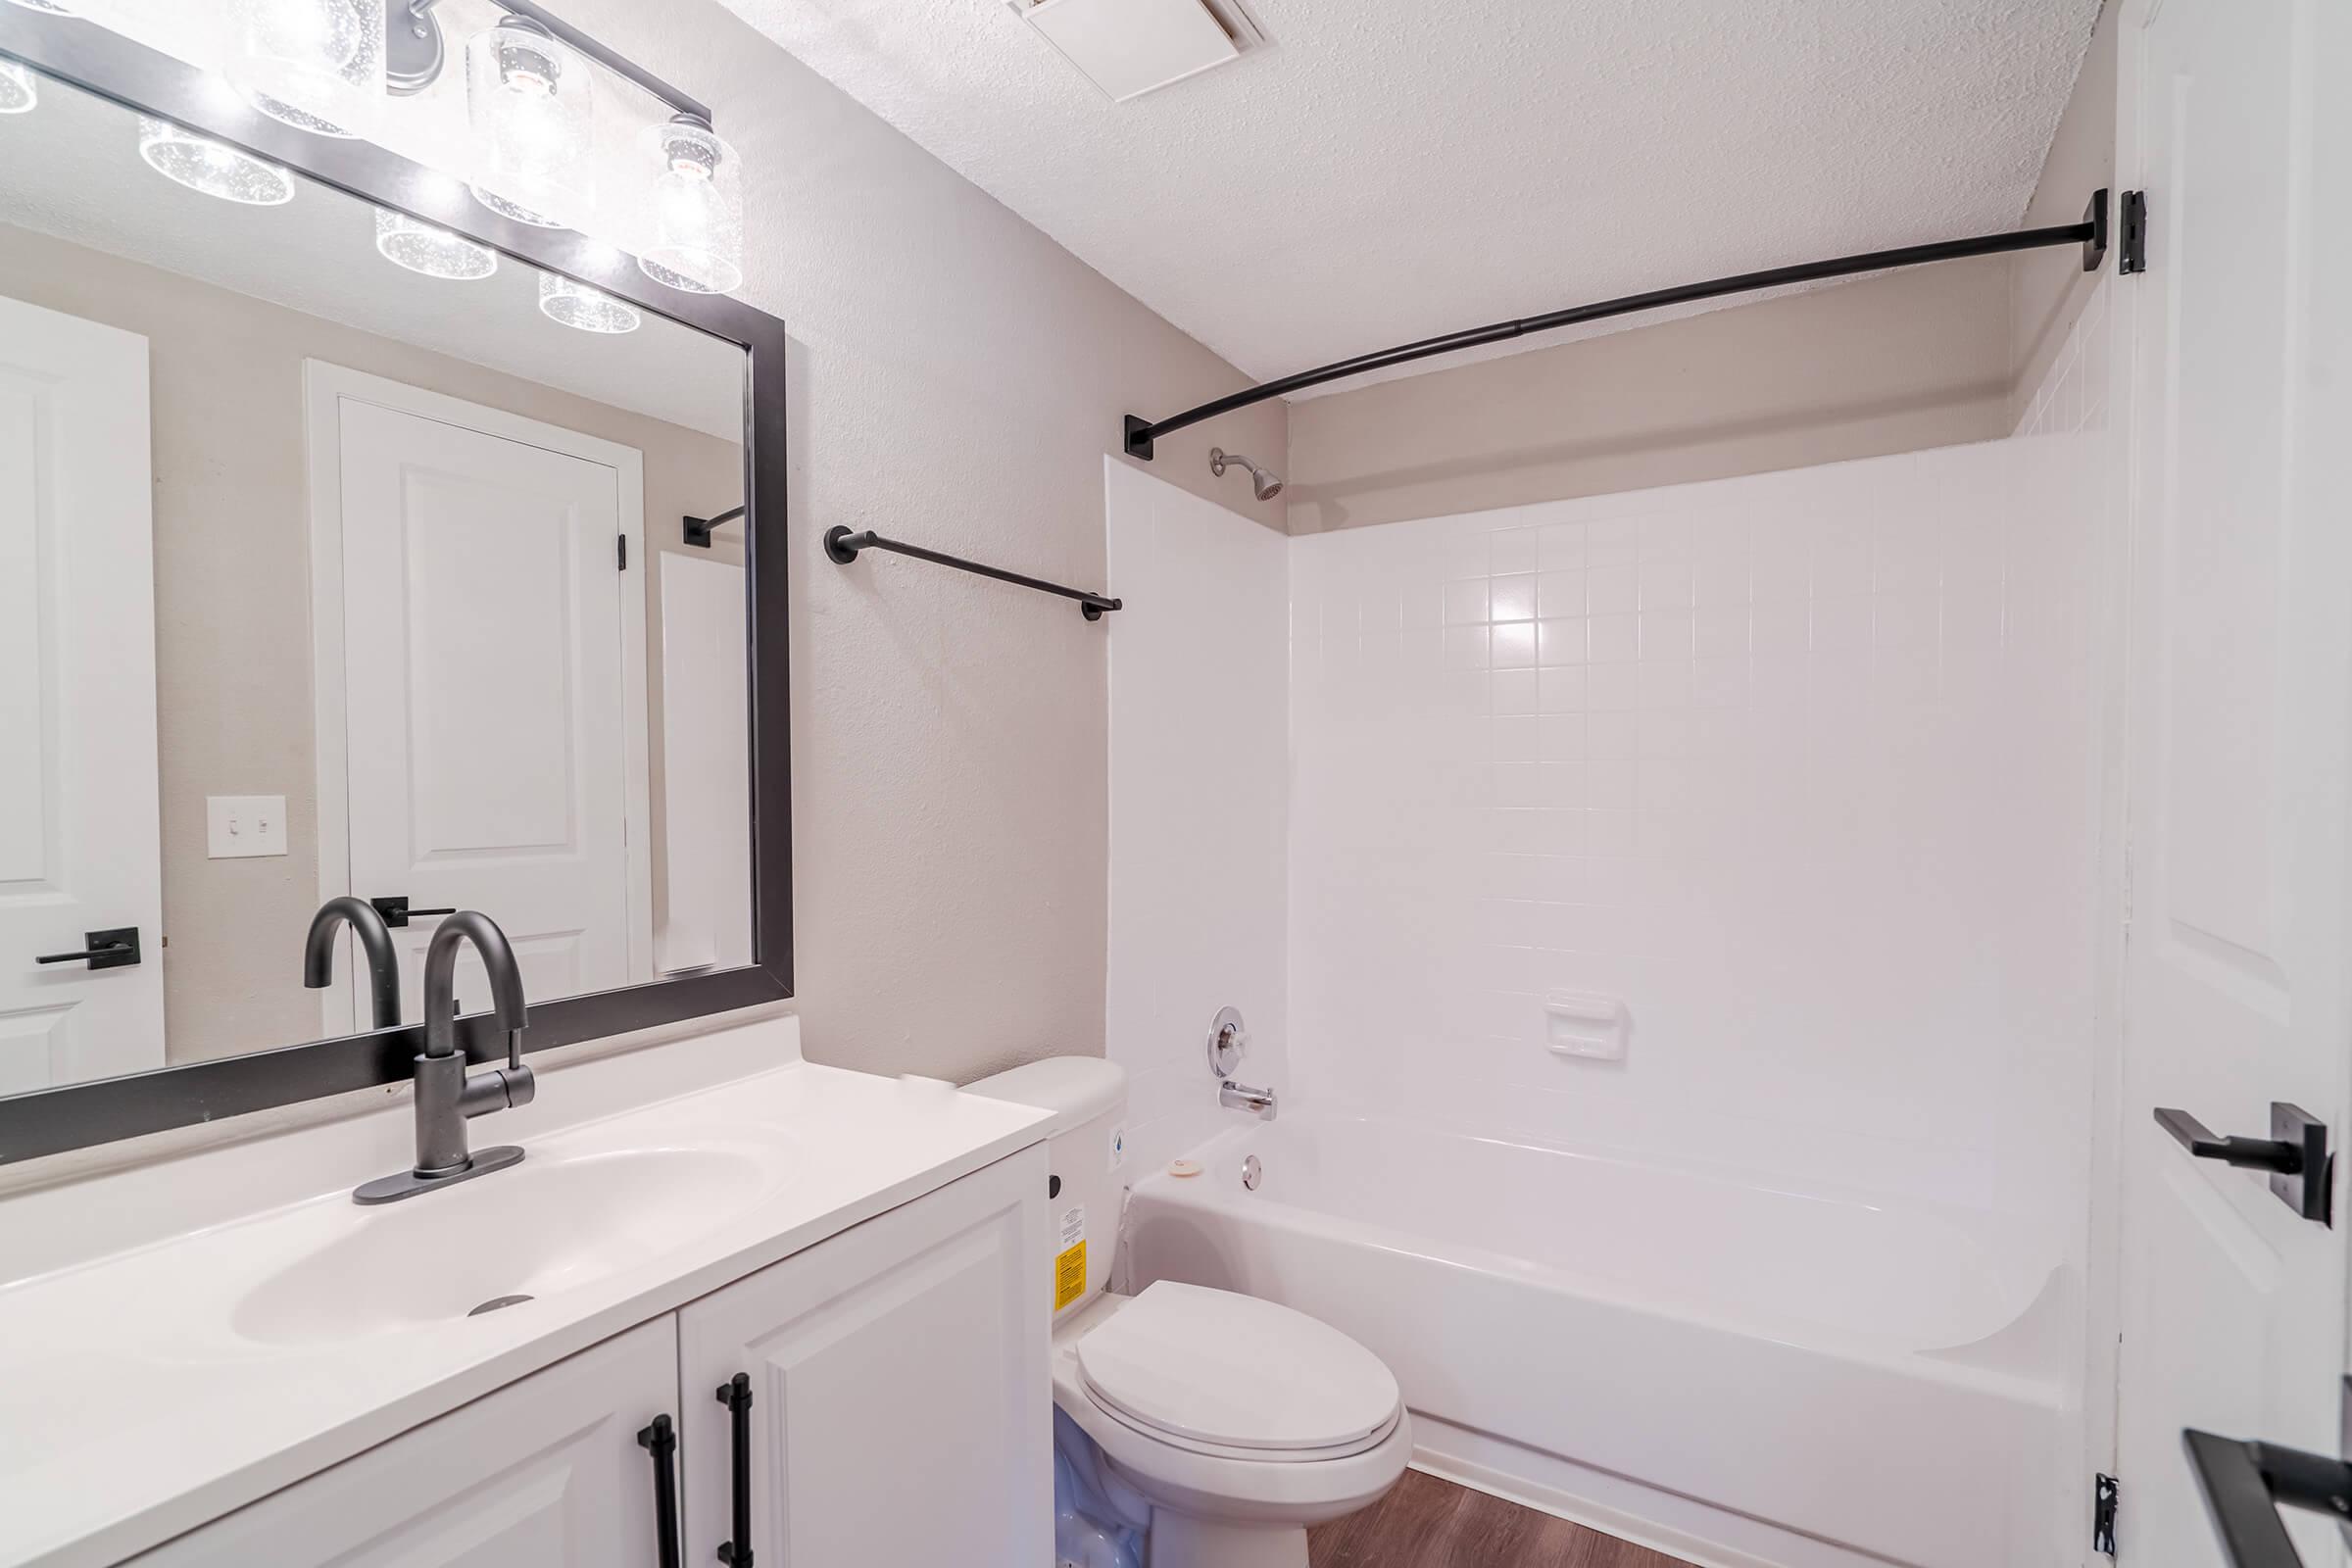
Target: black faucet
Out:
[375,943]
[445,1097]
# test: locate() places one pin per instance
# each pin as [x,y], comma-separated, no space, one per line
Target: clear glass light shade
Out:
[18,94]
[434,252]
[697,211]
[530,103]
[213,168]
[318,64]
[578,305]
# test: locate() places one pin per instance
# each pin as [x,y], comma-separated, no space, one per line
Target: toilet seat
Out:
[1235,1377]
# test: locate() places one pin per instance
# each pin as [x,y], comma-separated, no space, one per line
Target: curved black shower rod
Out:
[2090,233]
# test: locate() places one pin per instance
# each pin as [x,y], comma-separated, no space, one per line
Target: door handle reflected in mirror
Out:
[114,949]
[396,914]
[2295,1153]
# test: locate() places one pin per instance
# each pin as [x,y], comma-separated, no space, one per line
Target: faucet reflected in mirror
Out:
[375,946]
[447,1097]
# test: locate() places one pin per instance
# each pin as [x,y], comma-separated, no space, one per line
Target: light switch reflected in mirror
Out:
[357,571]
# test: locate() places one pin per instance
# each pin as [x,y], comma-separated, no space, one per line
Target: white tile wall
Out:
[1801,767]
[1198,717]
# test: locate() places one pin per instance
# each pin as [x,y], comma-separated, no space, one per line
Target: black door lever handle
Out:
[2296,1154]
[396,914]
[115,949]
[2250,1154]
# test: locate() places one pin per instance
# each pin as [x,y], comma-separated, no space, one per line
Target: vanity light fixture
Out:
[433,252]
[533,118]
[18,94]
[213,168]
[315,65]
[578,305]
[697,209]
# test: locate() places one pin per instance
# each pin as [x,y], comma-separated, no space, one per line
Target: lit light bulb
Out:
[532,115]
[697,244]
[213,168]
[316,64]
[18,94]
[433,252]
[578,305]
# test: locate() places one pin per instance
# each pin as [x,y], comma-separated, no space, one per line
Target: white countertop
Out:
[134,1405]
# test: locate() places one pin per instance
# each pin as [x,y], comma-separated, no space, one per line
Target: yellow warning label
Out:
[1069,1276]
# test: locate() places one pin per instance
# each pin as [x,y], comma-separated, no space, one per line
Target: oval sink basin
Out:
[534,1230]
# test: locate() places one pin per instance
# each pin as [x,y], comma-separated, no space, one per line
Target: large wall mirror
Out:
[344,554]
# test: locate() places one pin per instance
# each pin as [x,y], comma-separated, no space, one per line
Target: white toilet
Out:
[1221,1423]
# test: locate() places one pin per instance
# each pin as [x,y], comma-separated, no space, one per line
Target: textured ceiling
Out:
[1393,168]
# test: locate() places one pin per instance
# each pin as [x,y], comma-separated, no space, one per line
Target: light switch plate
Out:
[237,827]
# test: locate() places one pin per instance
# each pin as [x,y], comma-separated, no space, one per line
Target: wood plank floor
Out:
[1428,1523]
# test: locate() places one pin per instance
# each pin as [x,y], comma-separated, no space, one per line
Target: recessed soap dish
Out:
[1587,1024]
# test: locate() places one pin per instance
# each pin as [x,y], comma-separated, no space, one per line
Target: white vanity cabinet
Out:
[901,1417]
[545,1473]
[901,1401]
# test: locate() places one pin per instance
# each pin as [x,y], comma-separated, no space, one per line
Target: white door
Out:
[79,847]
[546,1473]
[491,703]
[2238,955]
[902,1406]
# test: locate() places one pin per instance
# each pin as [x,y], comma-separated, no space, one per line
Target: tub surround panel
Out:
[1200,712]
[1799,767]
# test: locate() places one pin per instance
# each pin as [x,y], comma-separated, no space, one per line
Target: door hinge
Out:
[2134,249]
[2102,1513]
[621,543]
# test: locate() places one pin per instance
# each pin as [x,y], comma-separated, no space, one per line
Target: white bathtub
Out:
[1743,1373]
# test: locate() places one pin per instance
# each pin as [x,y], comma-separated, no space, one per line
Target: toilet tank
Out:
[1086,1148]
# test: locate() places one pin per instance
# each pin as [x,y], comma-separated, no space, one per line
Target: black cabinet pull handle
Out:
[736,1395]
[2295,1153]
[115,949]
[2246,1483]
[661,1440]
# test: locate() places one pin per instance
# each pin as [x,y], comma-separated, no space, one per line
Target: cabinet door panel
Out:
[901,1404]
[544,1474]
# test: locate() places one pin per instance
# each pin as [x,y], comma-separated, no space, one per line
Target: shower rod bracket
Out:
[843,546]
[1140,434]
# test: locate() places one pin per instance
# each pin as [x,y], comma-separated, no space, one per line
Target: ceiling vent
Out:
[1131,47]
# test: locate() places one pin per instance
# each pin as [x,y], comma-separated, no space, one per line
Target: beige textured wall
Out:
[956,379]
[234,591]
[1884,365]
[2048,288]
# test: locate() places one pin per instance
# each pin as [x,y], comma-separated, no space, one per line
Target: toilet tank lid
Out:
[1075,1089]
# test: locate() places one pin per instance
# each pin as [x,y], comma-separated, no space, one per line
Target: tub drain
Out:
[1253,1173]
[497,1301]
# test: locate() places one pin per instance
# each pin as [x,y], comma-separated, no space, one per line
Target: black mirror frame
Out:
[51,1121]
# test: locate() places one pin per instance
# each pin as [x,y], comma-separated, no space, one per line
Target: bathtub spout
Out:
[1239,1096]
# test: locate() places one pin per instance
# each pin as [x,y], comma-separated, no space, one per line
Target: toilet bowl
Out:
[1222,1425]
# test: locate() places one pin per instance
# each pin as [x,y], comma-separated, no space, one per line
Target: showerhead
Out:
[1266,481]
